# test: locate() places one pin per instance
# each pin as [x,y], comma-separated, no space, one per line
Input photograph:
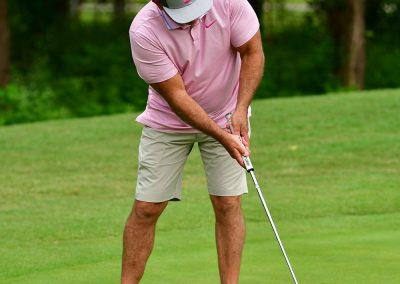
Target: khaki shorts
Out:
[162,157]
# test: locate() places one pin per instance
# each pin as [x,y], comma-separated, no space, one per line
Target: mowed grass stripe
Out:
[328,252]
[329,167]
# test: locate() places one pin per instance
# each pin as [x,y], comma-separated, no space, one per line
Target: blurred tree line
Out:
[65,58]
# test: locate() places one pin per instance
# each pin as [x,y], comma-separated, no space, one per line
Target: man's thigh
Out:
[225,177]
[161,160]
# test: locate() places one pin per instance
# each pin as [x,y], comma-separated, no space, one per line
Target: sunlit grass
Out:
[329,167]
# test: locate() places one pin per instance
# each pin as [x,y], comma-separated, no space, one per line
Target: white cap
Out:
[185,11]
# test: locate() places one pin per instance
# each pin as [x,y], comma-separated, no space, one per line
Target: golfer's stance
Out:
[201,59]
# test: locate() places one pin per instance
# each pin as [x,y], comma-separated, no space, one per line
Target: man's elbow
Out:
[262,58]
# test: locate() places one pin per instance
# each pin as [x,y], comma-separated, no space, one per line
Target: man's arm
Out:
[251,71]
[174,92]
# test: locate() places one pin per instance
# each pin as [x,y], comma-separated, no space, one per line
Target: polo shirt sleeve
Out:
[152,63]
[243,22]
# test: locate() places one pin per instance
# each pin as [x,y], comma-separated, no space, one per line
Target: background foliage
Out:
[67,65]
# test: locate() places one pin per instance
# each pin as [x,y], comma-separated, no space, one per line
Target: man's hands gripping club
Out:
[245,158]
[174,92]
[235,148]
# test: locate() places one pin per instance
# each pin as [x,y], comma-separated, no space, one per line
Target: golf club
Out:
[250,169]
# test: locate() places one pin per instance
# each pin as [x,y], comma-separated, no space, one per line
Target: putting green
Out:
[329,167]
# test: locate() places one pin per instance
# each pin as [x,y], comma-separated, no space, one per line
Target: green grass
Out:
[329,167]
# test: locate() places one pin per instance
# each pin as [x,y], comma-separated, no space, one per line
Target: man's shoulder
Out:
[221,4]
[146,18]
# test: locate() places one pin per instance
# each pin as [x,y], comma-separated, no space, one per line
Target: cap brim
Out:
[189,13]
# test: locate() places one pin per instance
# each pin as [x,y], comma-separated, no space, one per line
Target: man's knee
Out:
[226,206]
[147,211]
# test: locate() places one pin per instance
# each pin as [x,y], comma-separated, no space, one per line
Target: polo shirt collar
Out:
[171,24]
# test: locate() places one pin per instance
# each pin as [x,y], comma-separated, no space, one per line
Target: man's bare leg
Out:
[230,234]
[139,239]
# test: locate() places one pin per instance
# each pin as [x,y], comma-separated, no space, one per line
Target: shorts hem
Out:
[226,195]
[157,200]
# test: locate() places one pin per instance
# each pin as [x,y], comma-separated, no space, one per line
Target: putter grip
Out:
[246,160]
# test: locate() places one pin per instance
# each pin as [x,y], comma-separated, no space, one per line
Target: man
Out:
[201,59]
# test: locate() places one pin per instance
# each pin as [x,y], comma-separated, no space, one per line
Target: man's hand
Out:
[241,127]
[234,147]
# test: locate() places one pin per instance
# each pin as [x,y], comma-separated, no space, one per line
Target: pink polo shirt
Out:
[203,54]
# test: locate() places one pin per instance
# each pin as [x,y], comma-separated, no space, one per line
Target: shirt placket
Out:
[194,32]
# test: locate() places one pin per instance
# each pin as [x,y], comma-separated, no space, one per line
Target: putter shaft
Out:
[272,224]
[250,169]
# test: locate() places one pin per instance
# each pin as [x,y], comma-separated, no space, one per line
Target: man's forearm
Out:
[174,92]
[193,114]
[251,72]
[187,109]
[250,77]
